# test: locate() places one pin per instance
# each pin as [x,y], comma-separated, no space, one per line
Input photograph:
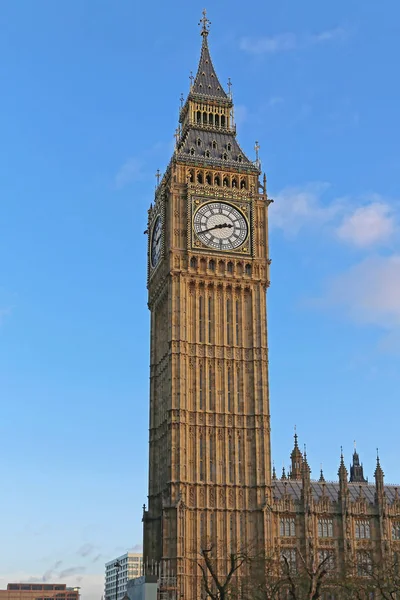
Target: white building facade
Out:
[130,567]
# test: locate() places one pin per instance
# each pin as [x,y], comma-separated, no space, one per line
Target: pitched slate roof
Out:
[206,150]
[206,82]
[293,488]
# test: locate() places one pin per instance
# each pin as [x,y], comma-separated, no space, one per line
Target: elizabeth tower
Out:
[208,272]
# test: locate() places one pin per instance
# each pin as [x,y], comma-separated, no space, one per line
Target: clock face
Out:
[221,226]
[155,253]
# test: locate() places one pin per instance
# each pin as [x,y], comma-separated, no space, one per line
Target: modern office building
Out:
[39,591]
[130,566]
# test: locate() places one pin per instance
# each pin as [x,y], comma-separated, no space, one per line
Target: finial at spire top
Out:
[205,23]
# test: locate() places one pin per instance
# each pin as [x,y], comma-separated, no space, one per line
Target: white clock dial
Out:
[155,251]
[221,226]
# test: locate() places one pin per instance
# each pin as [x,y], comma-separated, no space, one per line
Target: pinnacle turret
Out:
[357,469]
[296,458]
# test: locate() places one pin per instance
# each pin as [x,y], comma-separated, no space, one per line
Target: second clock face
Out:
[221,226]
[155,250]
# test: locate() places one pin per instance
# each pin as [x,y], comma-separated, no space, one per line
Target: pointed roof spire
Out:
[296,459]
[356,469]
[206,82]
[321,477]
[342,472]
[283,473]
[273,472]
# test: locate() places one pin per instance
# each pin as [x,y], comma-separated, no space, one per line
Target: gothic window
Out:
[229,389]
[326,558]
[229,147]
[193,262]
[208,178]
[216,121]
[238,396]
[198,141]
[210,118]
[363,530]
[201,388]
[237,323]
[225,182]
[202,527]
[212,459]
[247,269]
[242,184]
[222,120]
[201,457]
[228,321]
[396,531]
[230,267]
[191,151]
[287,527]
[325,528]
[212,524]
[225,157]
[200,177]
[211,265]
[210,389]
[234,182]
[191,176]
[201,319]
[240,459]
[214,143]
[231,531]
[209,320]
[290,563]
[204,118]
[240,158]
[198,116]
[217,180]
[364,563]
[230,460]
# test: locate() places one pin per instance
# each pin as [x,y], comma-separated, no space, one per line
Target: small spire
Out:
[181,99]
[205,24]
[158,175]
[257,148]
[229,88]
[191,77]
[283,473]
[342,472]
[321,477]
[273,472]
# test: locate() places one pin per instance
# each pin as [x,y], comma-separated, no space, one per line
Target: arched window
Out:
[198,116]
[214,143]
[204,118]
[198,141]
[210,319]
[229,390]
[201,388]
[191,151]
[217,180]
[240,158]
[216,121]
[207,156]
[210,118]
[201,458]
[211,265]
[230,267]
[234,182]
[200,177]
[208,176]
[225,182]
[229,147]
[193,262]
[222,120]
[201,319]
[211,453]
[191,176]
[243,184]
[248,269]
[225,156]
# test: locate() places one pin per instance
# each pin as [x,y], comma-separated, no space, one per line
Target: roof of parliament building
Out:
[357,487]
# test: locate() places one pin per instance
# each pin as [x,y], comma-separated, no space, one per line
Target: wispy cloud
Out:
[368,225]
[364,222]
[129,172]
[71,571]
[86,549]
[285,42]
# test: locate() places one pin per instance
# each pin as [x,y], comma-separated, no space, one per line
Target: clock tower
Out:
[208,272]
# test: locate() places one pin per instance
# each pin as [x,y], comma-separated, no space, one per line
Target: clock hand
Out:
[220,226]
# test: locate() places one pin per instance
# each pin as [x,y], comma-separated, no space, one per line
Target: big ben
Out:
[208,273]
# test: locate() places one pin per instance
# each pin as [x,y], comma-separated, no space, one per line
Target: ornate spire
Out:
[283,473]
[321,477]
[357,469]
[342,472]
[296,458]
[273,472]
[206,82]
[379,474]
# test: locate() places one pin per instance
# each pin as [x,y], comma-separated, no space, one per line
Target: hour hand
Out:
[219,226]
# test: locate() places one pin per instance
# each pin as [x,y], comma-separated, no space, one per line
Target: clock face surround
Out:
[155,250]
[220,225]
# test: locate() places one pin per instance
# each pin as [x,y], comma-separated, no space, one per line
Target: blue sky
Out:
[89,104]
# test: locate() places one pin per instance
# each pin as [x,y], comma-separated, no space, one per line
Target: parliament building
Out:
[211,481]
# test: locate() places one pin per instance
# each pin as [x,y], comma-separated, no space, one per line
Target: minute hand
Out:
[220,226]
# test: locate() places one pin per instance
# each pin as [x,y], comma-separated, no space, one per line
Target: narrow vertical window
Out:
[232,531]
[230,459]
[228,322]
[201,319]
[202,528]
[212,459]
[240,460]
[210,389]
[229,389]
[237,322]
[238,399]
[201,453]
[209,320]
[201,388]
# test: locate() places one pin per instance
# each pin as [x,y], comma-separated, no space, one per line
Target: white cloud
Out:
[368,225]
[296,208]
[363,222]
[368,292]
[131,170]
[284,42]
